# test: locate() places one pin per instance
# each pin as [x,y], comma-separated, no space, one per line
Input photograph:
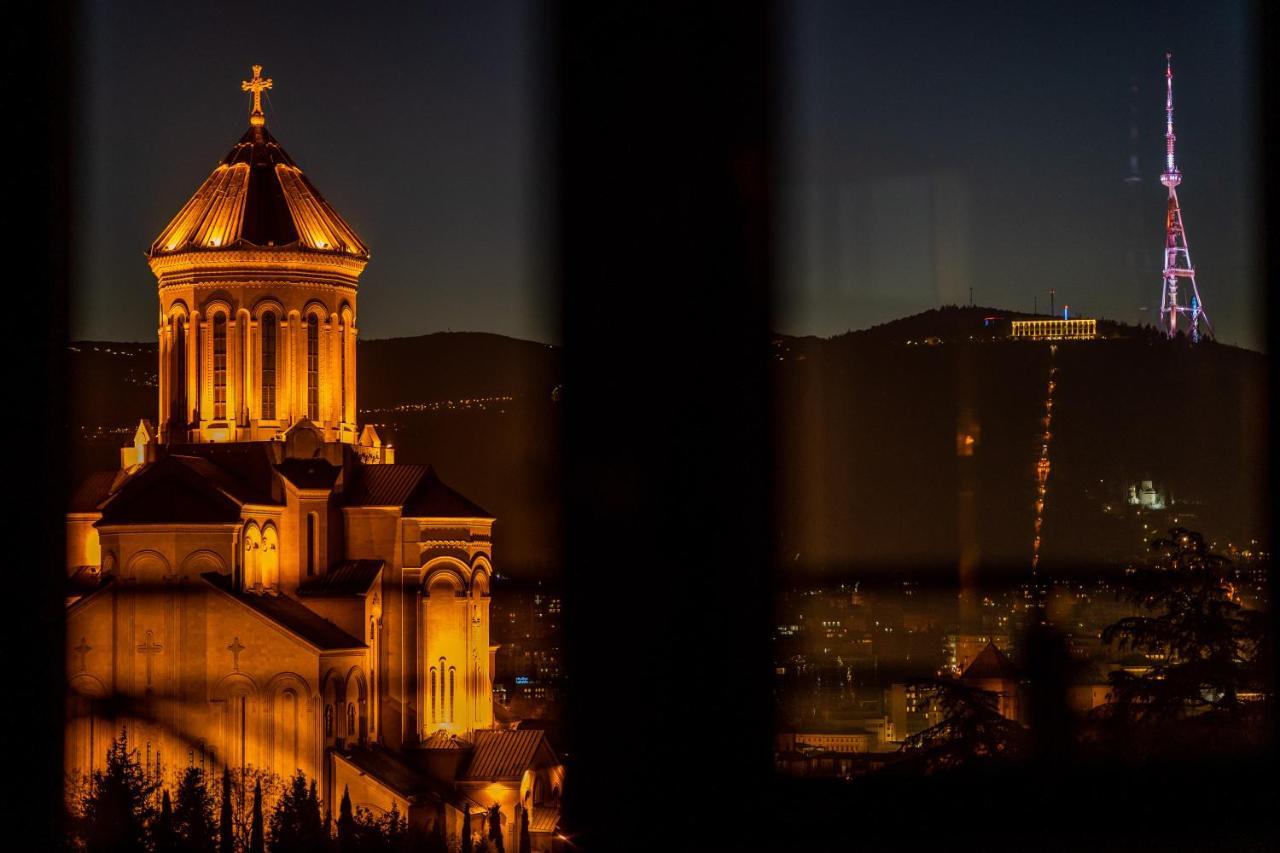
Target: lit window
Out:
[313,368]
[219,366]
[269,327]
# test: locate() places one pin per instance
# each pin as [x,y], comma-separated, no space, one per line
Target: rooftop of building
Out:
[258,198]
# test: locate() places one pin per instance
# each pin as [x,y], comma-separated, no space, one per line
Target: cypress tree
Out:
[256,843]
[226,836]
[163,838]
[466,828]
[314,827]
[526,843]
[346,824]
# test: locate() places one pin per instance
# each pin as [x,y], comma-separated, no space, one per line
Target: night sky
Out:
[926,149]
[417,121]
[936,147]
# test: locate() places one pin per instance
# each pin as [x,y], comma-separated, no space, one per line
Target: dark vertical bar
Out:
[1267,18]
[664,166]
[37,226]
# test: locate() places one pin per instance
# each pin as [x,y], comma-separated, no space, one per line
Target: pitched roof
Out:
[310,473]
[990,663]
[417,489]
[171,490]
[86,579]
[258,197]
[544,819]
[433,499]
[504,754]
[92,491]
[288,614]
[242,468]
[389,769]
[353,577]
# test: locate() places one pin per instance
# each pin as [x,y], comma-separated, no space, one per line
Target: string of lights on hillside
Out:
[481,403]
[1042,464]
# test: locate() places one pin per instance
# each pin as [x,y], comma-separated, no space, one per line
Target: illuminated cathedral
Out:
[260,584]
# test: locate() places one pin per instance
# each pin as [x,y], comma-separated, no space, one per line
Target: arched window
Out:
[252,565]
[443,694]
[269,558]
[313,367]
[269,329]
[287,733]
[433,694]
[219,366]
[311,544]
[179,413]
[240,730]
[328,721]
[342,373]
[242,350]
[351,719]
[451,677]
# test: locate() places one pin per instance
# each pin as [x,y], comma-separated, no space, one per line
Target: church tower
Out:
[260,584]
[257,282]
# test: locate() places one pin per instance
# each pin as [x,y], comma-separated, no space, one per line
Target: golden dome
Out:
[258,198]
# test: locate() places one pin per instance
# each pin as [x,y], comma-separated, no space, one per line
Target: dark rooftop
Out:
[289,614]
[174,489]
[310,473]
[92,491]
[417,489]
[353,577]
[504,754]
[989,664]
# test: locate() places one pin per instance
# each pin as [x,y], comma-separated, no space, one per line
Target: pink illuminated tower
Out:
[1177,257]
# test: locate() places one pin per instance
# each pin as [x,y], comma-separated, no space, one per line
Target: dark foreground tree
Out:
[495,828]
[256,841]
[193,813]
[971,734]
[163,838]
[295,824]
[395,829]
[346,824]
[466,845]
[526,843]
[1207,655]
[226,834]
[118,806]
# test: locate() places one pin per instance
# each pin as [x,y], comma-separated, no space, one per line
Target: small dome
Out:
[257,197]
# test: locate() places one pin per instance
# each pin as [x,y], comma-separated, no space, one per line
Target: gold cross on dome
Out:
[257,85]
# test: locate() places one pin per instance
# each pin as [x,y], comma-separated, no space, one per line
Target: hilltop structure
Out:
[1177,255]
[260,584]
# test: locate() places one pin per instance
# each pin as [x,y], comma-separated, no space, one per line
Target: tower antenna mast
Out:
[1177,256]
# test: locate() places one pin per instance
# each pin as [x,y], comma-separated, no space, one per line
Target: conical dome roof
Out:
[256,198]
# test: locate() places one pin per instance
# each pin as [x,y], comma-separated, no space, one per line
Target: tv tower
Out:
[1177,257]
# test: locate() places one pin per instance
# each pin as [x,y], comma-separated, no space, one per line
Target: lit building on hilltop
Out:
[1146,496]
[260,584]
[1066,329]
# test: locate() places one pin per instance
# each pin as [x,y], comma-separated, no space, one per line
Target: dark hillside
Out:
[867,429]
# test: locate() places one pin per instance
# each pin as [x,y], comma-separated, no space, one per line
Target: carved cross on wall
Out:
[84,649]
[235,648]
[150,648]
